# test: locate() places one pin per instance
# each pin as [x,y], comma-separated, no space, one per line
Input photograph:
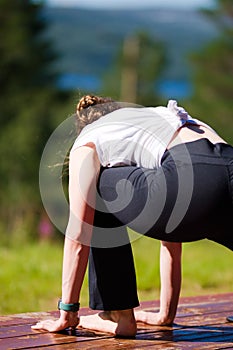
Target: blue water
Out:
[78,82]
[166,88]
[175,88]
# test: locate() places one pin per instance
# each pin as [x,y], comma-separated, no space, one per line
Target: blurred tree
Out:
[213,75]
[28,103]
[138,65]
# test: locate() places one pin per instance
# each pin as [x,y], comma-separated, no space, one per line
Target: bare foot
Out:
[152,318]
[120,323]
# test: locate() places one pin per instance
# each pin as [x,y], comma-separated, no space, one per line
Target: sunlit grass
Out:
[29,277]
[30,274]
[206,268]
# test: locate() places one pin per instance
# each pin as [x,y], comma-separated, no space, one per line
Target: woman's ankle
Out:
[126,323]
[118,315]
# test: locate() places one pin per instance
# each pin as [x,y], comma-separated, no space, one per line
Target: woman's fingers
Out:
[49,325]
[56,325]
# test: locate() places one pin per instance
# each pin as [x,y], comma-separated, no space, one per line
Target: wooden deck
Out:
[200,324]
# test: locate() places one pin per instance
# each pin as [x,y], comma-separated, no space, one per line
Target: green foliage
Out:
[213,79]
[29,109]
[150,68]
[139,63]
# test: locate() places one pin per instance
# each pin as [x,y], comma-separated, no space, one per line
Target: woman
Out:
[160,172]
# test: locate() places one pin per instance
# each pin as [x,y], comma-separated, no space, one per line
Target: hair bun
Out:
[103,106]
[87,101]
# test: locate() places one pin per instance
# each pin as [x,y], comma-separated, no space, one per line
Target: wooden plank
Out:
[147,343]
[227,297]
[27,318]
[200,324]
[186,338]
[21,336]
[35,340]
[193,305]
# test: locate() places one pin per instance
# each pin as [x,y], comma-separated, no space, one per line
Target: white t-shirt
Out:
[134,136]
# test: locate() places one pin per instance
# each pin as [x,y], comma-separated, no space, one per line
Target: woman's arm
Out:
[83,173]
[170,275]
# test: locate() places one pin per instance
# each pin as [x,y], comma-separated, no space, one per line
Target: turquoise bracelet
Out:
[68,307]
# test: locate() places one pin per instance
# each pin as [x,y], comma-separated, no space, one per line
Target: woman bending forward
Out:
[156,170]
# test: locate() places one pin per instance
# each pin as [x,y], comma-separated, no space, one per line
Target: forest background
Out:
[49,57]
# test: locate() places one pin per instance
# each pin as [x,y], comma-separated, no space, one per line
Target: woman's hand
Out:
[170,272]
[67,319]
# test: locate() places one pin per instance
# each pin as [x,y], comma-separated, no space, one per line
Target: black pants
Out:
[190,197]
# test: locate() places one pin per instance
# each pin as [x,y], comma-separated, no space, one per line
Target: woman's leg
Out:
[112,288]
[170,252]
[112,278]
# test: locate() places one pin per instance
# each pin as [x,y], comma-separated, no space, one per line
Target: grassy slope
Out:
[30,275]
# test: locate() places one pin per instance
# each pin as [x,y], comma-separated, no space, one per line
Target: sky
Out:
[100,4]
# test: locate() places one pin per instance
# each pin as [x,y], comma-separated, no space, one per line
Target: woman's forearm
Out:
[74,267]
[170,274]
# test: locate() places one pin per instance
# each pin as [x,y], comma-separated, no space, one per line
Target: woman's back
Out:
[191,133]
[140,136]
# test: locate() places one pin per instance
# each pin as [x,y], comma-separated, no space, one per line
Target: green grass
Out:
[30,274]
[206,268]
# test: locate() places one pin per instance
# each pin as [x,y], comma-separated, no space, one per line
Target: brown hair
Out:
[91,108]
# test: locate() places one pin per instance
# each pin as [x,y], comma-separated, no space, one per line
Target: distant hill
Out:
[88,40]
